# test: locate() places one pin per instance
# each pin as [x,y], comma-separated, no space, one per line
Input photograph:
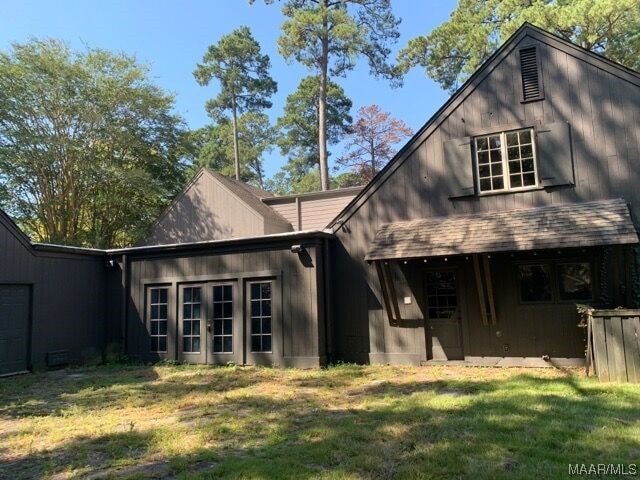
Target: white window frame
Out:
[159,319]
[261,317]
[506,177]
[223,335]
[200,319]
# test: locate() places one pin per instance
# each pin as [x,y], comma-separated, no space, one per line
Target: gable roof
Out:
[250,196]
[7,222]
[526,29]
[588,224]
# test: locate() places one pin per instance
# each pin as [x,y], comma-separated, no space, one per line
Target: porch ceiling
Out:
[588,224]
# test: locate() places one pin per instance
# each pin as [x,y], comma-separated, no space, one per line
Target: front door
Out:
[443,315]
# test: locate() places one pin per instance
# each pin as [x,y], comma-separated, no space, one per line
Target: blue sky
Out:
[171,36]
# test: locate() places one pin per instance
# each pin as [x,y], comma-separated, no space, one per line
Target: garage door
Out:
[14,328]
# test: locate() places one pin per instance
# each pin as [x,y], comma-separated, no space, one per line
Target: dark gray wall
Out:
[68,296]
[209,210]
[600,102]
[300,341]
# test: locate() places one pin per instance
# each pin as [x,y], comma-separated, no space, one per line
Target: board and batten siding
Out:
[600,103]
[208,210]
[67,296]
[300,319]
[312,211]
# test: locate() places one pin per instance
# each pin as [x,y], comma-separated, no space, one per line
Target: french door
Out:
[228,322]
[224,327]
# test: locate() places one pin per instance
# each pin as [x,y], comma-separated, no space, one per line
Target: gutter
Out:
[48,247]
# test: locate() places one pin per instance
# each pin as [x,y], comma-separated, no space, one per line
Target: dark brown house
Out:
[514,202]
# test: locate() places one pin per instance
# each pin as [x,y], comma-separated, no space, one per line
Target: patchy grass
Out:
[342,422]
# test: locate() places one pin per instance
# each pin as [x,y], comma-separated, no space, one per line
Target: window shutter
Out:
[555,162]
[459,161]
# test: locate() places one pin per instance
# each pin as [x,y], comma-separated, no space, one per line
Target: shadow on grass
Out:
[518,427]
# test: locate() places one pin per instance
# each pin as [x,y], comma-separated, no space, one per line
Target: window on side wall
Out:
[505,161]
[574,281]
[535,283]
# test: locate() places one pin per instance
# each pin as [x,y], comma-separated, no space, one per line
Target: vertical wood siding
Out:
[603,111]
[68,297]
[301,341]
[208,211]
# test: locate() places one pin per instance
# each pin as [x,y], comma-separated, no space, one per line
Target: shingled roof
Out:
[251,196]
[586,224]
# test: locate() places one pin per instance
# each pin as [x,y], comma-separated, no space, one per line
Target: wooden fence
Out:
[613,346]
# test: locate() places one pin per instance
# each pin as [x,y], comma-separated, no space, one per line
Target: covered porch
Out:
[501,289]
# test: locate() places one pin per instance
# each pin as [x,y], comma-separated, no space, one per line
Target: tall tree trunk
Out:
[322,104]
[236,149]
[373,157]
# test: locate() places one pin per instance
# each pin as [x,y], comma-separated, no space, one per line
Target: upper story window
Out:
[505,161]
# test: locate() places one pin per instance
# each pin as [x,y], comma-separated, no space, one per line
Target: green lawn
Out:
[342,422]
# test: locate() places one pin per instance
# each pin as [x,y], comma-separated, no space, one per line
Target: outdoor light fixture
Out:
[297,248]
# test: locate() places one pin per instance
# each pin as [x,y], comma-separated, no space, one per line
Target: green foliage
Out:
[328,36]
[237,63]
[89,149]
[215,146]
[298,125]
[349,28]
[455,49]
[283,184]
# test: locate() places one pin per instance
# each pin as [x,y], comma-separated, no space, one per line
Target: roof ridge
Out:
[407,149]
[252,201]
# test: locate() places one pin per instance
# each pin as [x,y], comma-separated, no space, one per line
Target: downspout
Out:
[328,301]
[125,303]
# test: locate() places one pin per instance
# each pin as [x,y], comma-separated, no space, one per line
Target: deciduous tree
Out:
[238,64]
[327,36]
[90,150]
[371,141]
[455,49]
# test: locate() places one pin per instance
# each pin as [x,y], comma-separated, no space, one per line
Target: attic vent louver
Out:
[531,82]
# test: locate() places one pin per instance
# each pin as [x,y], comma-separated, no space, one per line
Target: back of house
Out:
[512,204]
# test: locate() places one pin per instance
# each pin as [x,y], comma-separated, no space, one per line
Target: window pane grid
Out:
[442,299]
[222,319]
[261,317]
[505,161]
[521,159]
[158,308]
[191,318]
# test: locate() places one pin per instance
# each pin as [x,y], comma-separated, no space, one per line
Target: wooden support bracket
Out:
[489,285]
[389,297]
[480,289]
